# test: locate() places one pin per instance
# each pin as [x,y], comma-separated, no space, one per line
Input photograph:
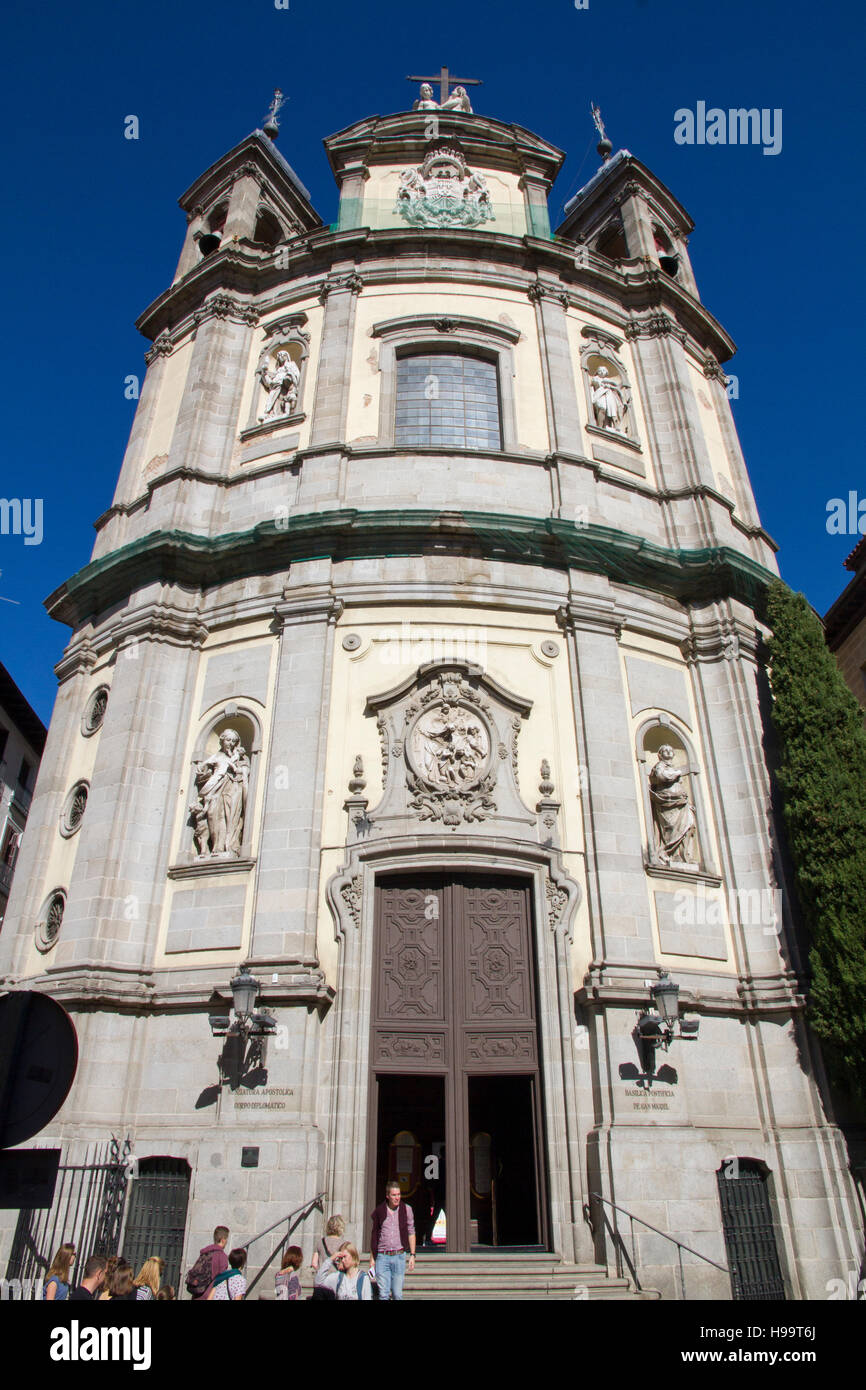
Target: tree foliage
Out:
[822,774]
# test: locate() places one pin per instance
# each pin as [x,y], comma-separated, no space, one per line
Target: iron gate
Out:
[87,1210]
[750,1239]
[156,1220]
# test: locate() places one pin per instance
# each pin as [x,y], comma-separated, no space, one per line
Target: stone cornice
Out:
[716,993]
[97,985]
[405,255]
[689,575]
[613,477]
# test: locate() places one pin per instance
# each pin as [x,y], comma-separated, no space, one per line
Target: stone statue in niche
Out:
[281,383]
[222,781]
[609,400]
[674,822]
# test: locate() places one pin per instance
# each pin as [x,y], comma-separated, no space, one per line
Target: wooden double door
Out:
[455,1109]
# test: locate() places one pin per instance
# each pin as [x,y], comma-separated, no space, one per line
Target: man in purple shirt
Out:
[393,1234]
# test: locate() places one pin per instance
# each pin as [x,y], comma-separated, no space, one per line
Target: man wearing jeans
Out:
[393,1234]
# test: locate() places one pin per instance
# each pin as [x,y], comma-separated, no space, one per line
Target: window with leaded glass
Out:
[447,399]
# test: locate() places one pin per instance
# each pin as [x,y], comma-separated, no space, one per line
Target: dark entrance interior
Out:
[411,1133]
[503,1161]
[455,1112]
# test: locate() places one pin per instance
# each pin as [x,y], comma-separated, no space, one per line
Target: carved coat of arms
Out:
[442,192]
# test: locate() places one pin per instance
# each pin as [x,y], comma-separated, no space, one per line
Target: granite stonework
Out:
[611,588]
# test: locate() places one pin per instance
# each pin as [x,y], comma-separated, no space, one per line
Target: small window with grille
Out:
[447,400]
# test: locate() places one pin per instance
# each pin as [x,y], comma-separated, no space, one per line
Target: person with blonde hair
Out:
[328,1244]
[352,1284]
[59,1276]
[149,1278]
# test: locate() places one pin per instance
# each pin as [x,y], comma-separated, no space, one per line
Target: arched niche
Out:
[609,407]
[677,833]
[221,789]
[280,373]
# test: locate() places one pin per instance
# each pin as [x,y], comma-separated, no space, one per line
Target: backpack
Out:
[200,1277]
[359,1286]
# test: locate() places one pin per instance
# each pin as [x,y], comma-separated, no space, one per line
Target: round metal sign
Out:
[38,1060]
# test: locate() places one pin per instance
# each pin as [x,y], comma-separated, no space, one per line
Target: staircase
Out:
[512,1277]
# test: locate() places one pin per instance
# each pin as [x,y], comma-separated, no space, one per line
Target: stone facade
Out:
[587,592]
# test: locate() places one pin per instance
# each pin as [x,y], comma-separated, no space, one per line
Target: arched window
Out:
[447,399]
[267,231]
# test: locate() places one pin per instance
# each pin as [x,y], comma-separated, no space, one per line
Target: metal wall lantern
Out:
[660,1023]
[247,1021]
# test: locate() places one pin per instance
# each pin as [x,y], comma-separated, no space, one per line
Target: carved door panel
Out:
[454,996]
[410,995]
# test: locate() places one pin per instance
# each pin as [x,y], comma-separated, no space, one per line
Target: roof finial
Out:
[271,126]
[604,145]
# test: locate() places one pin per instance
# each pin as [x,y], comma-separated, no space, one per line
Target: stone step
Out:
[508,1277]
[513,1276]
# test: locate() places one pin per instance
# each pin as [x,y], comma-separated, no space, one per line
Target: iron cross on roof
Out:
[444,78]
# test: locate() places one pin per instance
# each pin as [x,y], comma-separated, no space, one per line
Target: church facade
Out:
[417,672]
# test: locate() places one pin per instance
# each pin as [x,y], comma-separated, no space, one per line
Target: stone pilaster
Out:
[618,904]
[56,772]
[129,484]
[332,397]
[288,869]
[125,839]
[560,388]
[207,422]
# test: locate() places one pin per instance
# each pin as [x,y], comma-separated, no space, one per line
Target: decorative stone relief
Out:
[51,918]
[351,894]
[225,306]
[73,809]
[655,326]
[222,781]
[557,898]
[443,192]
[94,711]
[162,346]
[448,752]
[449,749]
[674,819]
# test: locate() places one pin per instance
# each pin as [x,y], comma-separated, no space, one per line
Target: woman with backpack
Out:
[230,1286]
[352,1284]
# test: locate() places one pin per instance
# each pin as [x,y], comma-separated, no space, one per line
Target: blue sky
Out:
[93,231]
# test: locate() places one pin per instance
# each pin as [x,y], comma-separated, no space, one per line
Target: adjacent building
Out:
[845,625]
[22,740]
